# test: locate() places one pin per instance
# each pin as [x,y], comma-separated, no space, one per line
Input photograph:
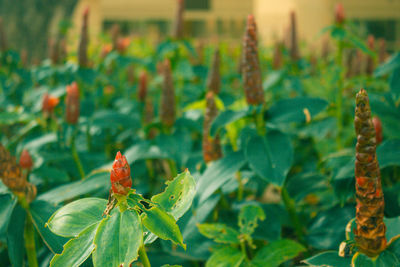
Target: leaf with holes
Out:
[226,257]
[248,217]
[220,232]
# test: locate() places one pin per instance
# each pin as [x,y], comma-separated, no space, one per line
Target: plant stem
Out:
[172,167]
[29,237]
[243,248]
[88,137]
[75,156]
[259,121]
[290,206]
[143,257]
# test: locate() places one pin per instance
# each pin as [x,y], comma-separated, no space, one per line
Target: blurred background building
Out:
[226,18]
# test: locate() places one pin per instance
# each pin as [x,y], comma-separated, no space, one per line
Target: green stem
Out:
[243,248]
[29,237]
[290,206]
[259,121]
[143,257]
[88,137]
[339,96]
[76,158]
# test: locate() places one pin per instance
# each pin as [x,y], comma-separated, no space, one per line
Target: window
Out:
[197,4]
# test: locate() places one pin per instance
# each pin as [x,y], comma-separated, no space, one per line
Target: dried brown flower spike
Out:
[211,146]
[370,231]
[214,76]
[178,29]
[84,41]
[294,46]
[167,111]
[251,72]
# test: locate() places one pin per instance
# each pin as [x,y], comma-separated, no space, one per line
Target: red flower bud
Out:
[142,92]
[123,44]
[251,72]
[25,160]
[72,103]
[84,40]
[178,29]
[378,129]
[49,103]
[120,177]
[339,14]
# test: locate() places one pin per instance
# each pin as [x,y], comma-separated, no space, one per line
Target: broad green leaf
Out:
[226,257]
[73,218]
[273,79]
[41,211]
[10,118]
[392,227]
[328,259]
[15,236]
[178,196]
[162,224]
[76,250]
[277,253]
[248,218]
[395,82]
[7,203]
[270,157]
[144,150]
[394,247]
[118,239]
[94,182]
[218,173]
[295,109]
[386,258]
[43,140]
[225,118]
[388,153]
[388,66]
[219,232]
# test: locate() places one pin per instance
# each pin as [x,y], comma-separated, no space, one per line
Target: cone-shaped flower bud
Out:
[10,171]
[3,38]
[72,103]
[251,72]
[339,14]
[382,54]
[294,46]
[53,51]
[214,76]
[178,28]
[84,41]
[25,160]
[370,60]
[142,92]
[167,111]
[378,129]
[277,61]
[211,146]
[370,231]
[115,30]
[49,103]
[121,181]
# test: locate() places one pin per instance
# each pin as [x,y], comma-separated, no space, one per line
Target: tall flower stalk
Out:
[84,41]
[370,231]
[167,110]
[178,27]
[214,75]
[211,145]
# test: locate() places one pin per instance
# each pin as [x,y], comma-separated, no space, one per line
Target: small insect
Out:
[347,248]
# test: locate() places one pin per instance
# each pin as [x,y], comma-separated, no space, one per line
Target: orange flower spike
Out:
[72,103]
[339,14]
[120,177]
[49,103]
[370,231]
[142,92]
[25,160]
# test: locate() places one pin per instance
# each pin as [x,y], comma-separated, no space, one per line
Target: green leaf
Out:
[225,118]
[226,257]
[272,79]
[248,217]
[219,232]
[293,109]
[94,182]
[76,250]
[118,239]
[10,118]
[7,203]
[392,227]
[386,258]
[388,66]
[15,236]
[73,218]
[162,224]
[144,150]
[178,196]
[388,153]
[218,173]
[41,211]
[394,246]
[395,82]
[277,253]
[270,157]
[328,259]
